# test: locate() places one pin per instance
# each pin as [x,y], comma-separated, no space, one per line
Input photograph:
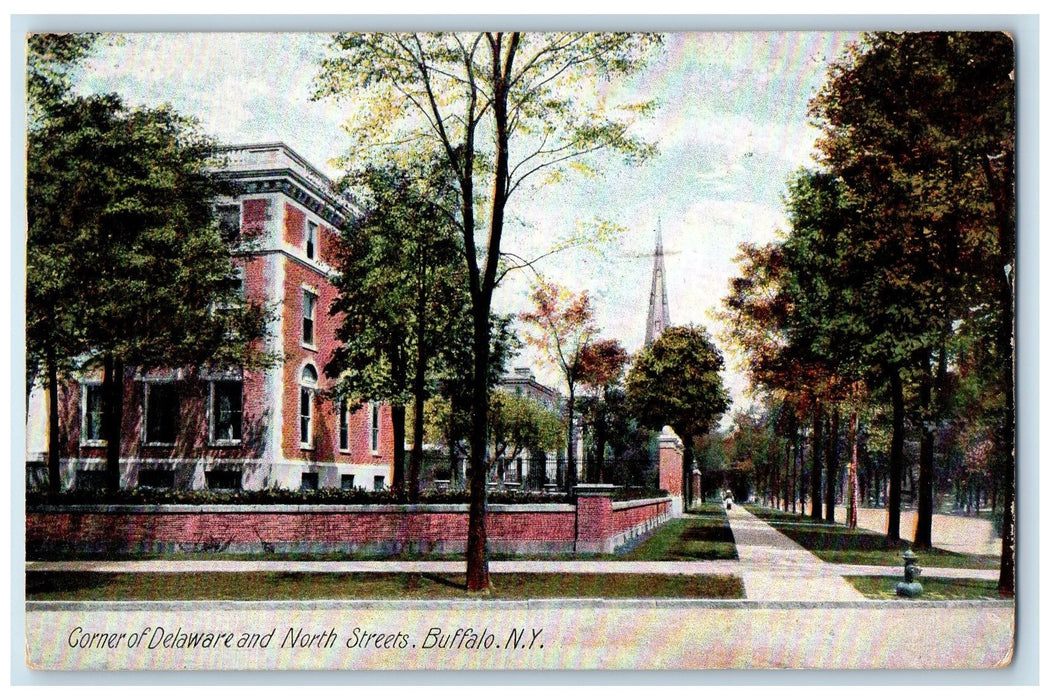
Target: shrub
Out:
[148,496]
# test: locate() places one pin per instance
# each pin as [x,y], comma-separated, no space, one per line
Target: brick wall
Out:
[394,528]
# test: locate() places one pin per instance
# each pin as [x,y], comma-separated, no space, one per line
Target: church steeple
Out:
[659,318]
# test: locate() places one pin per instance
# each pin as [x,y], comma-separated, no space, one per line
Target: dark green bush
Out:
[147,496]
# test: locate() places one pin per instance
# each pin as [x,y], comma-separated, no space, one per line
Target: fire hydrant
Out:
[909,587]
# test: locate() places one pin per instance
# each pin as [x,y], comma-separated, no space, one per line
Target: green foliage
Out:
[50,60]
[401,287]
[447,416]
[518,423]
[432,92]
[124,258]
[676,382]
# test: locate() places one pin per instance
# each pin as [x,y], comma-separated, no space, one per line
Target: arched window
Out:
[307,386]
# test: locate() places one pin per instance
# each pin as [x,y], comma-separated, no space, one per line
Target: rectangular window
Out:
[156,478]
[378,483]
[225,411]
[309,305]
[344,427]
[375,427]
[305,417]
[90,479]
[229,216]
[162,412]
[346,482]
[311,240]
[91,430]
[223,480]
[308,482]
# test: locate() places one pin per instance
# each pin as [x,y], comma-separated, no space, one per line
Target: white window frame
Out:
[307,388]
[223,442]
[343,426]
[374,418]
[310,344]
[84,441]
[146,387]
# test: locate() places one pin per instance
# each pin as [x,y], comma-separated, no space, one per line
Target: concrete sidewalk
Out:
[775,567]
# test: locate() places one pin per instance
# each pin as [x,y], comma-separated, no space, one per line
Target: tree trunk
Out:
[833,466]
[785,490]
[481,300]
[796,467]
[600,440]
[397,423]
[419,379]
[477,561]
[570,457]
[113,418]
[415,459]
[851,490]
[818,467]
[893,526]
[924,518]
[687,468]
[1005,462]
[54,444]
[1001,186]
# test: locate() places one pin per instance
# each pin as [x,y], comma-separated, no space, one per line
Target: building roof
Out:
[274,167]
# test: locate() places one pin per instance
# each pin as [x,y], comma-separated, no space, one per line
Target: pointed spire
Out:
[659,317]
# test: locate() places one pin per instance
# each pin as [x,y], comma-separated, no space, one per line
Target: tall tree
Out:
[123,241]
[51,332]
[476,98]
[601,369]
[677,382]
[401,301]
[561,325]
[920,126]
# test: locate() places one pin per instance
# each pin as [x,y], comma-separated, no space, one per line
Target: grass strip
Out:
[704,538]
[884,588]
[837,544]
[41,586]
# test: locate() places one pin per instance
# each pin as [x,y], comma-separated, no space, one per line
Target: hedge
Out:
[149,496]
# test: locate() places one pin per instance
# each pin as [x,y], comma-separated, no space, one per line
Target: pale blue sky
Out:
[731,129]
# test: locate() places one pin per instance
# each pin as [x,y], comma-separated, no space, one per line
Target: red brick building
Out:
[244,429]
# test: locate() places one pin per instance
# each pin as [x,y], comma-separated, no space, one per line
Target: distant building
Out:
[523,382]
[530,466]
[190,429]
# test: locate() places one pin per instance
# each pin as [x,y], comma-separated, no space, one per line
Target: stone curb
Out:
[532,603]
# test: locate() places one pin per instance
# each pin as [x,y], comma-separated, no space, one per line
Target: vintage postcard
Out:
[520,350]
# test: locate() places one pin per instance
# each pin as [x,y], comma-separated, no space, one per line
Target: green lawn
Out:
[884,587]
[838,544]
[305,586]
[703,538]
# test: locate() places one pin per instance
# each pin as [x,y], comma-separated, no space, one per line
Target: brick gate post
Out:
[671,468]
[594,517]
